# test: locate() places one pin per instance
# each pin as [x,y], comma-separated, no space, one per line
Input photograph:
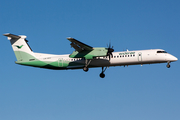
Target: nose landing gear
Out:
[102,75]
[168,65]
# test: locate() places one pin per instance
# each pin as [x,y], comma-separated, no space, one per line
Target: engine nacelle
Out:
[96,52]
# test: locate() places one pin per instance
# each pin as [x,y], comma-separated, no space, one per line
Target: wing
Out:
[79,46]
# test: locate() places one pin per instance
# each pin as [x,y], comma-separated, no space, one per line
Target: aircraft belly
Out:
[123,61]
[99,63]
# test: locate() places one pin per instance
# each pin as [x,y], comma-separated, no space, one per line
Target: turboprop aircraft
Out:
[85,56]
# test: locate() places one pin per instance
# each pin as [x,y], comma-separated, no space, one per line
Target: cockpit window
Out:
[161,52]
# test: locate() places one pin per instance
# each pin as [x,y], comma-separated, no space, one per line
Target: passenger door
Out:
[139,56]
[60,62]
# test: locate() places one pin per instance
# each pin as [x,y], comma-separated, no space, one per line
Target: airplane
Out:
[85,56]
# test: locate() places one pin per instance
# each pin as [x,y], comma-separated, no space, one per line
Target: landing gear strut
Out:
[86,65]
[102,75]
[168,65]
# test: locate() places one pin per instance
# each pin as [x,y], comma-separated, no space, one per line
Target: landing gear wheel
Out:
[102,75]
[168,66]
[85,69]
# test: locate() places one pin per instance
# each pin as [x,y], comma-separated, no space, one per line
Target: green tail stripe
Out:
[23,56]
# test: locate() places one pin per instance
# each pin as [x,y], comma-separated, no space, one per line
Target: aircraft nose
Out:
[174,58]
[171,58]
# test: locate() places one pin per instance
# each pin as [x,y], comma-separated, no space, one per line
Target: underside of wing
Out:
[79,46]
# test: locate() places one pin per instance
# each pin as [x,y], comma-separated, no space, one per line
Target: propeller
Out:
[110,50]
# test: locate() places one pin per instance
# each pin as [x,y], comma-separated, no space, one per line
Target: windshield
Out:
[161,52]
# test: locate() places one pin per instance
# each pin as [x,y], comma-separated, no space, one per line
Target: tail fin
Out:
[20,47]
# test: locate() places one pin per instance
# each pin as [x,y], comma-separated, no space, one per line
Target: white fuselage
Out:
[119,59]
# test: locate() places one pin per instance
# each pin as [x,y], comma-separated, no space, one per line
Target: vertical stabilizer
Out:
[20,47]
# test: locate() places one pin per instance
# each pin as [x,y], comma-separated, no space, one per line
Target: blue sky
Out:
[128,93]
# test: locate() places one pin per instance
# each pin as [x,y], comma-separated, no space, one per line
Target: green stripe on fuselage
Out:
[29,60]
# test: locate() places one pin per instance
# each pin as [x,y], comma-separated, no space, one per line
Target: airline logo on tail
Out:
[19,47]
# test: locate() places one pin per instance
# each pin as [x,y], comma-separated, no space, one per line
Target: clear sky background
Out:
[148,92]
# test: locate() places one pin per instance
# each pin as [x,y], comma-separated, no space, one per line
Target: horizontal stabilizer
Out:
[12,36]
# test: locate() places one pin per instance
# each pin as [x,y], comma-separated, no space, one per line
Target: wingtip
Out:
[6,34]
[70,38]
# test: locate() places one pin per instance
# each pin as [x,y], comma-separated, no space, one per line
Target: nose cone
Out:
[173,58]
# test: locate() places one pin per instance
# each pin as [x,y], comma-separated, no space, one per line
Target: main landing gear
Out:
[87,62]
[102,75]
[85,69]
[86,65]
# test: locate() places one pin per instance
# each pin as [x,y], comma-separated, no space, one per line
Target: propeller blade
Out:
[111,54]
[110,50]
